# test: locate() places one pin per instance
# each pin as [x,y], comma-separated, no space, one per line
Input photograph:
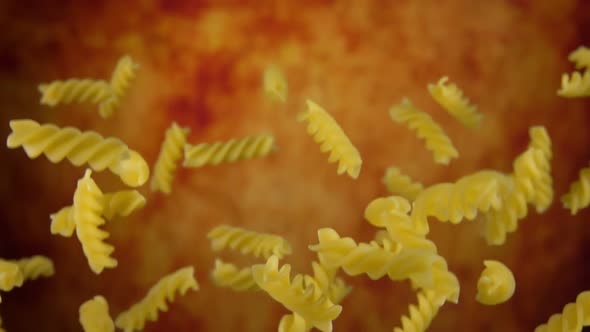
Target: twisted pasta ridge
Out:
[578,196]
[10,275]
[532,173]
[121,78]
[170,153]
[74,91]
[400,184]
[87,215]
[301,296]
[275,84]
[228,275]
[293,323]
[580,57]
[134,318]
[421,315]
[451,98]
[79,148]
[329,284]
[573,317]
[496,283]
[35,267]
[94,315]
[437,141]
[540,139]
[575,85]
[325,130]
[248,242]
[249,147]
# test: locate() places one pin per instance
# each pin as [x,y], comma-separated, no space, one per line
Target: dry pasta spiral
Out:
[575,85]
[170,153]
[574,316]
[134,318]
[421,315]
[87,215]
[79,148]
[398,183]
[451,98]
[578,196]
[74,91]
[301,295]
[329,284]
[248,242]
[249,147]
[94,315]
[532,176]
[496,283]
[35,267]
[329,134]
[228,275]
[293,323]
[121,78]
[540,139]
[437,141]
[10,275]
[275,84]
[580,57]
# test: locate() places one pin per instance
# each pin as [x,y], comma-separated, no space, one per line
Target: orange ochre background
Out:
[201,65]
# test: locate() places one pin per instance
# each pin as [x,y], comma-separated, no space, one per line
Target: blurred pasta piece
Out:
[574,316]
[94,315]
[248,242]
[451,98]
[578,195]
[400,184]
[171,152]
[275,84]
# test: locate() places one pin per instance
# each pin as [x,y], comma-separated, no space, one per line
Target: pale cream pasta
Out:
[248,242]
[496,283]
[234,150]
[275,84]
[574,317]
[170,153]
[451,98]
[94,315]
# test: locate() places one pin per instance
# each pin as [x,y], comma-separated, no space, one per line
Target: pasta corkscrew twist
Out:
[180,281]
[228,275]
[578,195]
[580,57]
[451,98]
[575,85]
[496,283]
[326,131]
[293,323]
[35,267]
[437,141]
[121,78]
[170,153]
[532,174]
[399,184]
[248,242]
[94,315]
[10,275]
[249,147]
[574,316]
[74,91]
[421,314]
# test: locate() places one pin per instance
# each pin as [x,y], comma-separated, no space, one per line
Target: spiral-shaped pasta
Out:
[293,323]
[87,215]
[248,242]
[228,275]
[574,316]
[426,129]
[496,283]
[79,148]
[398,183]
[35,267]
[94,315]
[327,132]
[451,98]
[540,139]
[170,153]
[421,315]
[275,84]
[532,174]
[329,284]
[580,57]
[301,296]
[575,85]
[121,78]
[578,196]
[249,147]
[74,91]
[10,275]
[134,318]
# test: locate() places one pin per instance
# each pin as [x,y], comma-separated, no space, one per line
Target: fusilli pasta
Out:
[36,266]
[496,283]
[399,184]
[10,275]
[248,242]
[94,315]
[121,78]
[451,98]
[575,85]
[249,147]
[573,317]
[329,134]
[228,275]
[532,174]
[427,129]
[293,323]
[578,196]
[275,84]
[421,315]
[170,153]
[74,91]
[580,57]
[134,318]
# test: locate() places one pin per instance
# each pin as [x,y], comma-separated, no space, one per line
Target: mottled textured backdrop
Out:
[201,64]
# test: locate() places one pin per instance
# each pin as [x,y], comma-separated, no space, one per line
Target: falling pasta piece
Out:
[170,153]
[426,129]
[94,315]
[496,283]
[87,216]
[580,57]
[228,152]
[134,318]
[398,183]
[275,84]
[228,275]
[121,79]
[422,314]
[578,196]
[10,275]
[575,85]
[451,98]
[332,138]
[293,323]
[35,267]
[74,91]
[248,242]
[574,316]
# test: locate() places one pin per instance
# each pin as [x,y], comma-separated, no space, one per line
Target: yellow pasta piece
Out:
[437,141]
[301,296]
[10,275]
[228,275]
[329,284]
[94,315]
[532,174]
[1,329]
[120,203]
[574,316]
[421,315]
[496,283]
[74,91]
[451,98]
[121,78]
[170,153]
[399,184]
[327,132]
[248,242]
[275,84]
[87,215]
[35,267]
[293,323]
[578,196]
[575,85]
[580,57]
[79,148]
[134,318]
[249,147]
[539,139]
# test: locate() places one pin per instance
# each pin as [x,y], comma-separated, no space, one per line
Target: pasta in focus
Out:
[496,283]
[170,153]
[35,267]
[228,275]
[249,147]
[574,316]
[451,98]
[94,315]
[74,91]
[248,242]
[121,78]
